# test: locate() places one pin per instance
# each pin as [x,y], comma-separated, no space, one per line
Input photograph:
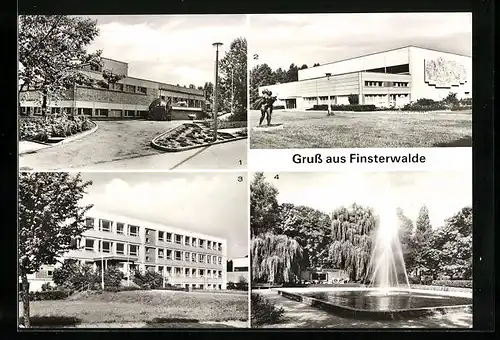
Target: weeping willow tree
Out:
[352,240]
[275,258]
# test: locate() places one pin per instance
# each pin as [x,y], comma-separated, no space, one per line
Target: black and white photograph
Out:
[360,80]
[133,250]
[118,92]
[361,250]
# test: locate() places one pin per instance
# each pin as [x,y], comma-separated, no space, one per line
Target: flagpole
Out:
[102,264]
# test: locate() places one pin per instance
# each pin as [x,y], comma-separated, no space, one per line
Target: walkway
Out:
[299,315]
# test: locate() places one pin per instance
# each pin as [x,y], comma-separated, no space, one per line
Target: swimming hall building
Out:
[128,98]
[391,78]
[186,259]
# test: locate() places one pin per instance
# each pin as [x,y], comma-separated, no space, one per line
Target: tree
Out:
[406,237]
[303,67]
[423,233]
[209,91]
[310,228]
[192,86]
[316,64]
[352,229]
[353,99]
[264,207]
[260,75]
[233,78]
[50,217]
[53,51]
[200,88]
[292,74]
[275,258]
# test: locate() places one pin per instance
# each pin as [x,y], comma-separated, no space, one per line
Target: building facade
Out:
[391,78]
[186,259]
[240,270]
[128,98]
[324,275]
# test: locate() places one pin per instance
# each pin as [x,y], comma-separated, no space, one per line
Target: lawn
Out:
[313,129]
[152,307]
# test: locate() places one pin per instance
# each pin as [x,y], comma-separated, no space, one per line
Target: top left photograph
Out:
[142,92]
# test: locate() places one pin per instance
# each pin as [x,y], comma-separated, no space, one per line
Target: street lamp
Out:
[215,109]
[329,105]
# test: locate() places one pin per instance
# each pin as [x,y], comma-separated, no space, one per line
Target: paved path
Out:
[125,145]
[299,315]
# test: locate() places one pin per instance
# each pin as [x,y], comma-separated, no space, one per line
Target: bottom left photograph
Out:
[133,250]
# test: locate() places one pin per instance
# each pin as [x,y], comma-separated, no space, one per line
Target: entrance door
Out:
[291,103]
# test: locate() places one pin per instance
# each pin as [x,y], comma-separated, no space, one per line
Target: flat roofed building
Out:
[187,259]
[386,79]
[128,98]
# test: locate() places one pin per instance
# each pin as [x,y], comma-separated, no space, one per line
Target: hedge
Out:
[353,107]
[453,283]
[461,107]
[279,107]
[264,311]
[42,128]
[48,295]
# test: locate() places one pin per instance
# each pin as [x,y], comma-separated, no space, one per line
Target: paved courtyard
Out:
[126,145]
[299,315]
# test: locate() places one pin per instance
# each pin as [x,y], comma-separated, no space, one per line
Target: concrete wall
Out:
[115,66]
[387,58]
[421,89]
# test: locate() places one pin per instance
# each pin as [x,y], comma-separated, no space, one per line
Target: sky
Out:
[168,48]
[444,193]
[280,40]
[210,203]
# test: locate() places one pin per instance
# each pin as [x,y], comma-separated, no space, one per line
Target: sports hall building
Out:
[391,78]
[186,259]
[128,98]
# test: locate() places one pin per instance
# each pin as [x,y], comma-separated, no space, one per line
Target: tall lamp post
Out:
[232,89]
[329,105]
[216,84]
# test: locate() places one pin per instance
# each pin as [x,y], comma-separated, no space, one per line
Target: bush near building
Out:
[453,283]
[42,128]
[49,295]
[264,312]
[350,107]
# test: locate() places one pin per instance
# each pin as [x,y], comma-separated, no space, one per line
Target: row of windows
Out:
[188,272]
[81,111]
[131,230]
[386,84]
[128,88]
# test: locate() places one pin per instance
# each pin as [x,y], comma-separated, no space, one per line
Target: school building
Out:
[390,78]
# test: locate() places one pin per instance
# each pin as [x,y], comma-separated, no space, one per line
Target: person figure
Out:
[266,109]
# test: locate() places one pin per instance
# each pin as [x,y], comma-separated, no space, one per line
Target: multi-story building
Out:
[128,98]
[186,259]
[386,79]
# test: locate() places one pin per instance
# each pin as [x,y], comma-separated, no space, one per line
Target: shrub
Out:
[41,128]
[453,283]
[358,108]
[263,311]
[148,279]
[112,277]
[424,104]
[48,295]
[47,287]
[353,99]
[279,107]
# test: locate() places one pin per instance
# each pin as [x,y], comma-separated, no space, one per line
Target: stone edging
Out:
[65,140]
[155,145]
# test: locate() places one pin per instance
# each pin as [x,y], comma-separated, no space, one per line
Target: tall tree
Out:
[292,74]
[352,240]
[423,233]
[192,86]
[209,91]
[406,237]
[233,78]
[264,207]
[260,75]
[50,217]
[309,227]
[53,51]
[275,258]
[316,64]
[303,67]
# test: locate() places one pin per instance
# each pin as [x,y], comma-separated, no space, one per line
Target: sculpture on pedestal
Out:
[266,106]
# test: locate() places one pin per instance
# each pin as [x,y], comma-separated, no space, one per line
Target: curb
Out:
[65,140]
[155,145]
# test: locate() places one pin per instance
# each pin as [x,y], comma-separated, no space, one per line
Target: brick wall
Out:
[35,95]
[110,96]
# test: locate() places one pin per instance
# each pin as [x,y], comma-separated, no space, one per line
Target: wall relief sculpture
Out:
[444,73]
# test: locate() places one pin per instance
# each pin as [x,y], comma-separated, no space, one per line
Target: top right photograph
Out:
[377,80]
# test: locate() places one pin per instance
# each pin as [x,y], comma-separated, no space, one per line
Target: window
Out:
[89,244]
[187,240]
[220,274]
[120,248]
[118,87]
[220,260]
[147,258]
[105,246]
[202,243]
[161,235]
[208,259]
[119,228]
[209,244]
[178,256]
[89,221]
[129,113]
[133,249]
[186,256]
[186,272]
[101,112]
[220,246]
[161,253]
[55,110]
[202,273]
[129,88]
[104,225]
[147,239]
[162,98]
[141,89]
[160,269]
[169,271]
[201,258]
[178,271]
[193,272]
[84,111]
[193,242]
[49,272]
[214,259]
[178,239]
[169,254]
[133,230]
[169,237]
[193,257]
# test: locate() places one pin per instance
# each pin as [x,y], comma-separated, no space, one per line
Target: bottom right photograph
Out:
[361,250]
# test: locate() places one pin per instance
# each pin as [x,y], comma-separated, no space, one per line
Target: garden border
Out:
[155,145]
[64,141]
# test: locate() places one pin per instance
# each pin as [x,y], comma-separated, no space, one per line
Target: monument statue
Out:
[266,106]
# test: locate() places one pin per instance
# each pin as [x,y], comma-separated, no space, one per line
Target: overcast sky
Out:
[444,193]
[210,203]
[167,48]
[280,40]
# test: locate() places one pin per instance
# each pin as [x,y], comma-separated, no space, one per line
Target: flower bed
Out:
[40,129]
[187,136]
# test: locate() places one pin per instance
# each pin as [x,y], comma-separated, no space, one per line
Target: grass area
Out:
[312,129]
[143,306]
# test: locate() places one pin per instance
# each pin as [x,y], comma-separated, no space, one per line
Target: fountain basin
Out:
[370,303]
